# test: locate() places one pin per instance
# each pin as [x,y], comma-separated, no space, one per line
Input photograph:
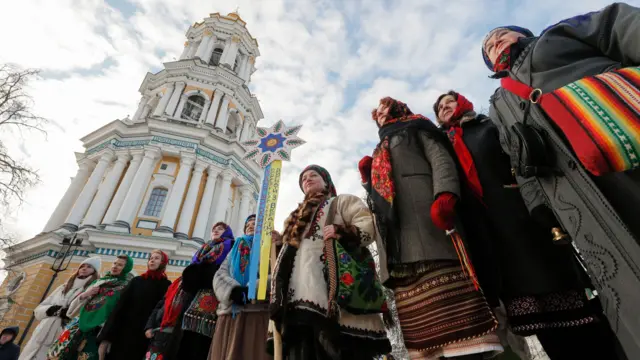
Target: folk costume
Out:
[308,311]
[441,311]
[79,338]
[125,328]
[541,283]
[184,321]
[52,312]
[240,322]
[573,143]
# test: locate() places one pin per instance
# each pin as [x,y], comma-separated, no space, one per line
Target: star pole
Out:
[272,146]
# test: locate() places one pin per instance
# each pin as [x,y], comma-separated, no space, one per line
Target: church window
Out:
[193,108]
[163,167]
[215,57]
[235,64]
[156,201]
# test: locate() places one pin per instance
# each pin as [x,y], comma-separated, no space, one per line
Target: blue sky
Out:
[323,63]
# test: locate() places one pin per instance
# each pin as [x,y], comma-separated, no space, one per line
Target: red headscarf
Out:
[159,273]
[464,156]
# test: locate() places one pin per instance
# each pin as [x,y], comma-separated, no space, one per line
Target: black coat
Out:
[174,343]
[600,213]
[126,324]
[10,351]
[505,241]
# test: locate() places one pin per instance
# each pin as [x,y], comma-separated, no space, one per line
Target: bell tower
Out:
[207,87]
[159,180]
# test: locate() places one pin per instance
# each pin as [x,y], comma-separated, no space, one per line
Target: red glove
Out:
[443,211]
[365,168]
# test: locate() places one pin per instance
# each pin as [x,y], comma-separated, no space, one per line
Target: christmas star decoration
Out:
[274,143]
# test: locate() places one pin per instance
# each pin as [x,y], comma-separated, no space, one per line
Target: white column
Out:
[70,196]
[213,109]
[192,50]
[245,198]
[190,202]
[245,128]
[223,199]
[205,111]
[185,51]
[132,201]
[141,106]
[123,189]
[223,116]
[205,205]
[145,112]
[164,100]
[84,199]
[230,51]
[207,37]
[246,69]
[209,51]
[235,214]
[175,97]
[105,193]
[225,51]
[175,197]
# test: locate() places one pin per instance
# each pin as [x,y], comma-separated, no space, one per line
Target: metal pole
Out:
[33,316]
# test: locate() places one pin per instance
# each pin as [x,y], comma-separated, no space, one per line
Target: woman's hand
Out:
[148,334]
[329,232]
[276,238]
[90,292]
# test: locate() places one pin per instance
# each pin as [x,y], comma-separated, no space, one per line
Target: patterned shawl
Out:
[216,250]
[99,307]
[240,255]
[213,252]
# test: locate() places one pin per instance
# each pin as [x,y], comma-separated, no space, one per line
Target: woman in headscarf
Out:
[52,312]
[123,335]
[93,307]
[182,324]
[413,187]
[240,322]
[533,270]
[568,114]
[313,321]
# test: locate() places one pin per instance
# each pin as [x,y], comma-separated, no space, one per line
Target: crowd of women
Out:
[465,215]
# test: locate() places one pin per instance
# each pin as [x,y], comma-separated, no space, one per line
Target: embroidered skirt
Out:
[441,310]
[530,314]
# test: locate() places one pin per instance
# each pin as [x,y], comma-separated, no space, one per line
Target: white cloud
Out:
[324,64]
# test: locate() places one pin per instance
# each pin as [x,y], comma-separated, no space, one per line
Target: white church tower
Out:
[162,178]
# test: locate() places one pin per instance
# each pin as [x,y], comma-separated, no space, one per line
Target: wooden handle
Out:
[277,338]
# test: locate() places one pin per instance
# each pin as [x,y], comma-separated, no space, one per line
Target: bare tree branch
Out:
[15,114]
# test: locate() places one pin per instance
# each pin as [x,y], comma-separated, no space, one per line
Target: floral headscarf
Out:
[99,307]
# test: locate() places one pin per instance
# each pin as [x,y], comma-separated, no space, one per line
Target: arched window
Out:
[215,57]
[156,200]
[193,108]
